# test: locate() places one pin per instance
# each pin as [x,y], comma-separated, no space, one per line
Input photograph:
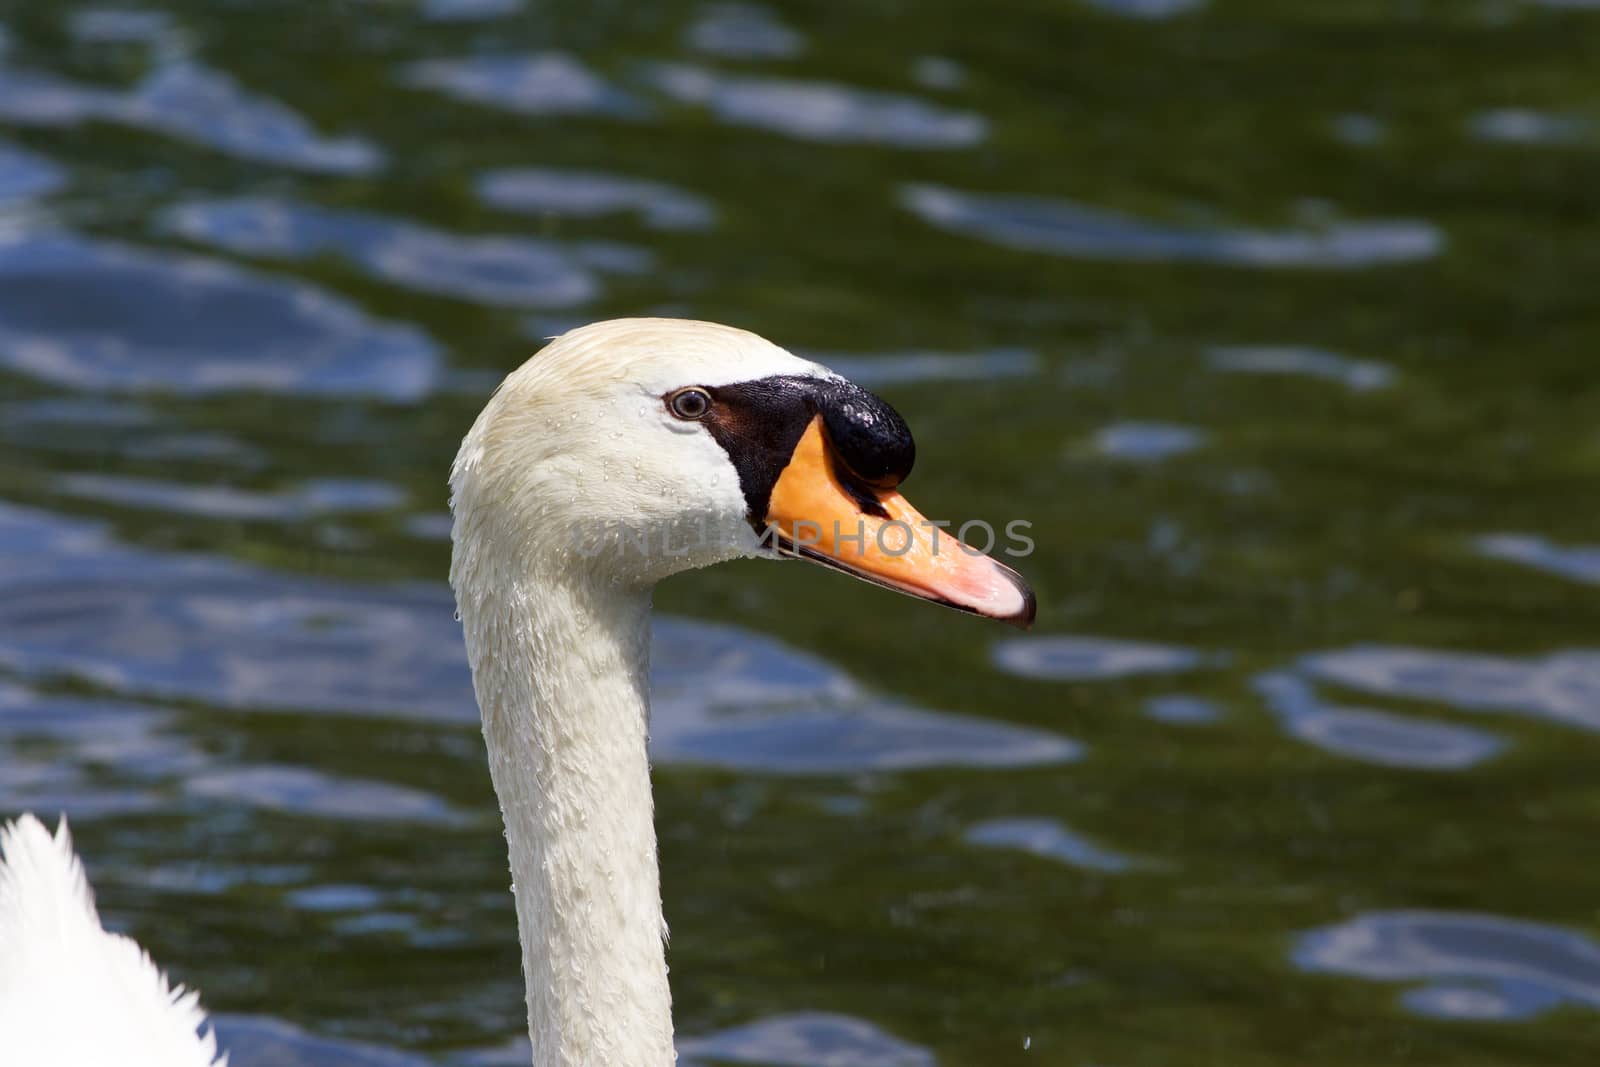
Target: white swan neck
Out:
[560,667]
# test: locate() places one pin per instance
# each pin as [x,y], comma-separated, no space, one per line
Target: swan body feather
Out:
[73,994]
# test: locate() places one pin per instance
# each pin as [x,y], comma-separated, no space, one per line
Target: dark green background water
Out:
[1278,321]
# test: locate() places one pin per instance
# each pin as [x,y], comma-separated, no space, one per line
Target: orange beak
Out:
[876,535]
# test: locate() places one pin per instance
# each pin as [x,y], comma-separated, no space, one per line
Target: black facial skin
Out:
[759,423]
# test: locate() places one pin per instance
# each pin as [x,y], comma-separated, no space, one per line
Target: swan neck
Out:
[560,665]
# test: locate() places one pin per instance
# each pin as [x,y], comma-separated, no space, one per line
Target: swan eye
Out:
[691,403]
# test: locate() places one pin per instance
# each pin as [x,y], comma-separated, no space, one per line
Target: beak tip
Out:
[1030,608]
[1026,604]
[1023,618]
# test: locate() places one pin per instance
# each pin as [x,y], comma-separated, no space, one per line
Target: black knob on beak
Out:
[868,436]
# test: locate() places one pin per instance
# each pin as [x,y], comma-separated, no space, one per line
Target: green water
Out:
[1278,322]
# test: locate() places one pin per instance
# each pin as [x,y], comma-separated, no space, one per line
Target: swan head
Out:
[629,450]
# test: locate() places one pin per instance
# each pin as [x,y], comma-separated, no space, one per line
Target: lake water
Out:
[1278,322]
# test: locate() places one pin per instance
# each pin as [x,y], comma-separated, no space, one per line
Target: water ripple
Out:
[800,1039]
[546,83]
[821,111]
[303,791]
[53,752]
[103,25]
[468,10]
[322,496]
[1484,966]
[1147,442]
[96,315]
[266,1042]
[1564,686]
[1051,840]
[1068,658]
[334,898]
[192,103]
[1581,563]
[27,175]
[806,1039]
[1374,736]
[905,368]
[726,697]
[1525,127]
[1065,228]
[1180,709]
[1148,9]
[1358,375]
[589,194]
[74,602]
[511,271]
[743,31]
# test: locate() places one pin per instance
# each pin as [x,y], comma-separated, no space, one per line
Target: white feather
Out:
[71,994]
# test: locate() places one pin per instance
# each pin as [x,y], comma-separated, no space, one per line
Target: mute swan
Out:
[624,452]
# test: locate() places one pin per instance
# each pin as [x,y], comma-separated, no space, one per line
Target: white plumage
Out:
[72,994]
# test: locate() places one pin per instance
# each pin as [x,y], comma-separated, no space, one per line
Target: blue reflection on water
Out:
[1180,709]
[303,791]
[1147,441]
[50,748]
[96,315]
[1148,9]
[334,898]
[1522,126]
[25,175]
[1374,736]
[259,1041]
[1564,686]
[74,602]
[821,111]
[544,83]
[728,697]
[1051,840]
[1581,563]
[116,26]
[491,269]
[587,194]
[904,368]
[1068,658]
[1066,228]
[743,31]
[1478,966]
[192,103]
[468,10]
[1358,375]
[808,1039]
[800,1039]
[323,496]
